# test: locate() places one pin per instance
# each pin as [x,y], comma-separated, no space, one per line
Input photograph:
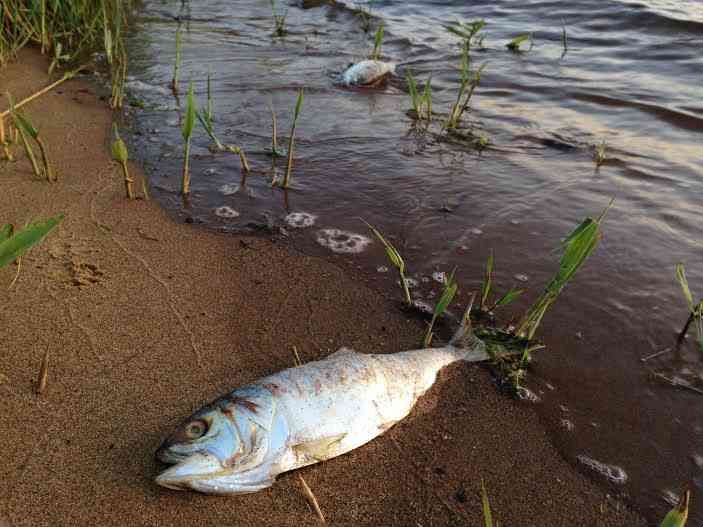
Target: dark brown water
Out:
[631,77]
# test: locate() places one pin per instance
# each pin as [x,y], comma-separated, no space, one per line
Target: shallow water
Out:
[630,77]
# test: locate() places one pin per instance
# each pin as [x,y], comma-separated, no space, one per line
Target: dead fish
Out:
[367,72]
[240,442]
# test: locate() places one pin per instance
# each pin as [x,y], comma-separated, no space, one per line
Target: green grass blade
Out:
[6,231]
[396,260]
[678,516]
[17,244]
[509,297]
[514,44]
[487,281]
[189,121]
[486,505]
[377,42]
[681,277]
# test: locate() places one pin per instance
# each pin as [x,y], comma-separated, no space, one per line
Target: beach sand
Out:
[146,319]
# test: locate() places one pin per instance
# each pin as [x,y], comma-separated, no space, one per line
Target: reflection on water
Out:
[630,77]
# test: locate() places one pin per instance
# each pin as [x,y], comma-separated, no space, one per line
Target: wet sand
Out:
[146,319]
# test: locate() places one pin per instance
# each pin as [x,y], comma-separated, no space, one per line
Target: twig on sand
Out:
[312,499]
[677,383]
[18,263]
[656,354]
[43,373]
[298,362]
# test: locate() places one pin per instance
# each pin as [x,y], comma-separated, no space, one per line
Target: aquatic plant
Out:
[206,117]
[27,129]
[577,247]
[58,58]
[120,154]
[449,290]
[420,101]
[599,154]
[678,516]
[296,114]
[279,21]
[187,132]
[177,64]
[365,16]
[514,44]
[14,243]
[396,260]
[468,32]
[468,84]
[695,311]
[487,285]
[378,39]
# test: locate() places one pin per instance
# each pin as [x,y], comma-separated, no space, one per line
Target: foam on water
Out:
[300,220]
[226,212]
[339,241]
[612,473]
[229,189]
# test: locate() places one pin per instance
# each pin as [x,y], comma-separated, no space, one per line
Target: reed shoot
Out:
[514,44]
[377,42]
[600,154]
[678,516]
[14,243]
[396,260]
[296,114]
[177,65]
[242,156]
[187,132]
[468,32]
[486,506]
[279,21]
[274,133]
[28,130]
[448,292]
[120,154]
[469,83]
[695,311]
[577,247]
[487,285]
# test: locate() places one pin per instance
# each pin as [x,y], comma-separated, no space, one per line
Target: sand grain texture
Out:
[146,319]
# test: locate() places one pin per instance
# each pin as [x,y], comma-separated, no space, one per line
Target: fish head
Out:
[218,449]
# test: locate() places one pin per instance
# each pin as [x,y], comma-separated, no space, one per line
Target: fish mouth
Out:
[185,474]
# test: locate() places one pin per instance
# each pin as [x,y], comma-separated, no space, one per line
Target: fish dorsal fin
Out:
[341,352]
[319,449]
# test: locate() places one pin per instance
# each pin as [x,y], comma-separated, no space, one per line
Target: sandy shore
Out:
[146,319]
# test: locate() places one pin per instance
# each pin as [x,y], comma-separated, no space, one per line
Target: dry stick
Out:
[68,75]
[312,499]
[128,181]
[6,150]
[18,262]
[43,373]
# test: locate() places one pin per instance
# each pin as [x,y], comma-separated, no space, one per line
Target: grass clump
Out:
[187,133]
[420,101]
[695,311]
[397,261]
[289,167]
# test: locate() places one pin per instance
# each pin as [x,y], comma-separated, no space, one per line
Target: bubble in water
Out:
[521,277]
[210,171]
[612,473]
[228,189]
[381,269]
[476,231]
[226,212]
[339,241]
[300,220]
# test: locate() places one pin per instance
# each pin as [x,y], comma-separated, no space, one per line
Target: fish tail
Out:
[465,342]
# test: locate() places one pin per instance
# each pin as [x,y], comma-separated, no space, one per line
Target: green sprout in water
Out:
[296,114]
[279,21]
[599,155]
[120,154]
[420,101]
[187,132]
[468,32]
[695,311]
[378,40]
[487,285]
[678,516]
[469,83]
[177,64]
[577,247]
[396,260]
[448,292]
[514,44]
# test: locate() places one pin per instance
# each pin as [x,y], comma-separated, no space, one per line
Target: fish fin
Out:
[465,340]
[319,449]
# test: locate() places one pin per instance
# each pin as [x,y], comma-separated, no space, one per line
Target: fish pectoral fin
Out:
[319,449]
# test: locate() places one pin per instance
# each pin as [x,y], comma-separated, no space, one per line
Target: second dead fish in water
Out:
[300,416]
[367,72]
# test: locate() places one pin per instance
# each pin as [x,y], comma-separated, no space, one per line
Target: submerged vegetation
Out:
[514,44]
[279,21]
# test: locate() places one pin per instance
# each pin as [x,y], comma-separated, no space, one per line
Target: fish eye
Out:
[196,429]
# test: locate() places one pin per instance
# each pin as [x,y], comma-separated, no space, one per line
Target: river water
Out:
[630,77]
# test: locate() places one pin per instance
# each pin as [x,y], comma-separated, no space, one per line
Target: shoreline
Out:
[146,319]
